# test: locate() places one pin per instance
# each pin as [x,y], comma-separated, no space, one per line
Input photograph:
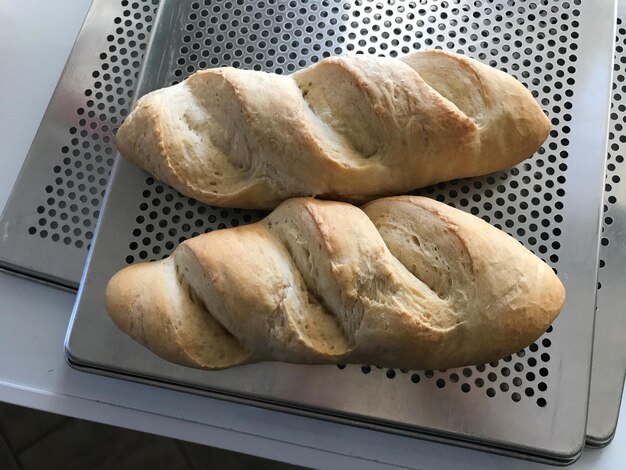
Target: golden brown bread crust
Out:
[404,282]
[351,128]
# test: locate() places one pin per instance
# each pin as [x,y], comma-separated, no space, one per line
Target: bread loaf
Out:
[349,128]
[403,282]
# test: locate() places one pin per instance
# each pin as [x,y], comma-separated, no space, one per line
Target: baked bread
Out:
[404,282]
[347,128]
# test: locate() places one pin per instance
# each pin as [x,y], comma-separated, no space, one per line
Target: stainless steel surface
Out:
[48,223]
[532,404]
[47,242]
[609,353]
[68,165]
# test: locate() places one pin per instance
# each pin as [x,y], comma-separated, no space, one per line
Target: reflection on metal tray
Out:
[609,354]
[533,404]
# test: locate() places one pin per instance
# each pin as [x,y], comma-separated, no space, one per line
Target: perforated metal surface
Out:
[71,206]
[609,353]
[49,220]
[543,388]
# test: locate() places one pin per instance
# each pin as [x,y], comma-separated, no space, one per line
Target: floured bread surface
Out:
[403,282]
[347,128]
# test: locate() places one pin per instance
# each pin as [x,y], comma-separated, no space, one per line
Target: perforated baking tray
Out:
[609,354]
[533,404]
[48,222]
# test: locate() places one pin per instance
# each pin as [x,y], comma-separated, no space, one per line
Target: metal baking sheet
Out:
[609,353]
[533,404]
[49,220]
[48,223]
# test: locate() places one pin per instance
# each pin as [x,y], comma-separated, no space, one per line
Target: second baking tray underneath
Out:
[532,404]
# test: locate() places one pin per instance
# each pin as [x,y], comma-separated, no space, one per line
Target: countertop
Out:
[35,40]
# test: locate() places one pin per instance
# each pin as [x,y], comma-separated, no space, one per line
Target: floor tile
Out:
[7,462]
[208,458]
[23,426]
[85,445]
